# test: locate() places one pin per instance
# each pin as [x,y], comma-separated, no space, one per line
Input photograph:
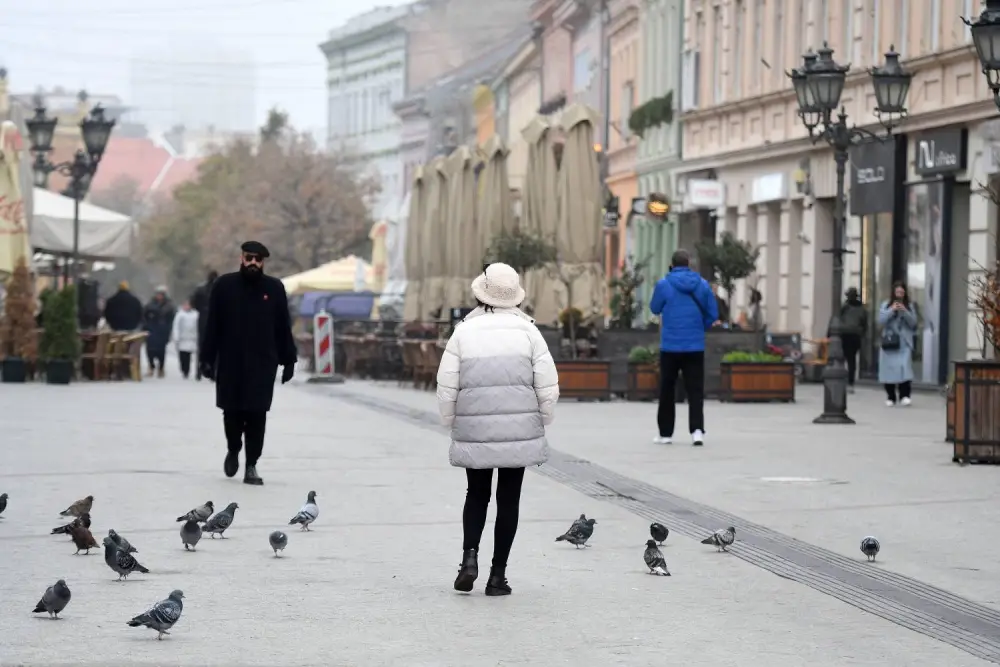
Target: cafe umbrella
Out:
[539,210]
[414,257]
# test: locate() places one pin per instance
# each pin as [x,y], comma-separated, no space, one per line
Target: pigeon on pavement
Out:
[721,538]
[870,547]
[199,514]
[79,507]
[578,533]
[121,542]
[654,559]
[218,524]
[190,534]
[308,513]
[82,538]
[54,600]
[82,520]
[121,561]
[658,532]
[278,541]
[3,502]
[162,615]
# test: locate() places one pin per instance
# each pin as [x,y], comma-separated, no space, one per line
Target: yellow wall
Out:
[484,108]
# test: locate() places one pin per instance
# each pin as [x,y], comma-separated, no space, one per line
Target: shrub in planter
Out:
[60,345]
[17,329]
[756,377]
[643,374]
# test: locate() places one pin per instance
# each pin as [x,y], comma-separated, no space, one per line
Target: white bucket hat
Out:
[498,286]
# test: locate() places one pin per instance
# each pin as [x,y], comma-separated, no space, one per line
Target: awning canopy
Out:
[349,274]
[104,234]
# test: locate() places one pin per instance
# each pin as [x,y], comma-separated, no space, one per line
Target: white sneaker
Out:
[697,438]
[890,404]
[905,401]
[662,440]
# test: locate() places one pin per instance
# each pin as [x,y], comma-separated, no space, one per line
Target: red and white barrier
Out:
[323,344]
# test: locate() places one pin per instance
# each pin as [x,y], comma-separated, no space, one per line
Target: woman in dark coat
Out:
[158,322]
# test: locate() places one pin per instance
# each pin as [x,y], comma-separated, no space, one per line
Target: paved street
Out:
[371,585]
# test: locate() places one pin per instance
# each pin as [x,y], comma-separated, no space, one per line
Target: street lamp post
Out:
[986,36]
[818,86]
[96,130]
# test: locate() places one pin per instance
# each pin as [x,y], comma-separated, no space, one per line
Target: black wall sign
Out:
[940,151]
[873,177]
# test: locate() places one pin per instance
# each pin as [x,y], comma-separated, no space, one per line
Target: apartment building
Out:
[914,210]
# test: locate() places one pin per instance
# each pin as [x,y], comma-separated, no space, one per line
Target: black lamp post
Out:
[986,37]
[96,130]
[818,86]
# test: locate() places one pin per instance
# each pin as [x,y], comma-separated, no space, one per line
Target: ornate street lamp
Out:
[96,131]
[818,85]
[986,37]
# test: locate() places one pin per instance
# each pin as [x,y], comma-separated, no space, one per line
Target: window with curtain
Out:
[758,43]
[738,53]
[902,16]
[717,54]
[778,44]
[967,12]
[934,27]
[847,19]
[628,96]
[823,19]
[876,31]
[797,31]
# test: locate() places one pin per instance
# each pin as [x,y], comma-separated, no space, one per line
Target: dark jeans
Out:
[852,346]
[155,356]
[477,500]
[185,363]
[242,425]
[691,366]
[904,390]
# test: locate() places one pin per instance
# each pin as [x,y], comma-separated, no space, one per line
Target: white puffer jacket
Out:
[497,390]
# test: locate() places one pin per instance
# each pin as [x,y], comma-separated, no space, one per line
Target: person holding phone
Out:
[895,358]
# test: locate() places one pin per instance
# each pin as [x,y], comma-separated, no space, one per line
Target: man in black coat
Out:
[123,311]
[248,335]
[199,301]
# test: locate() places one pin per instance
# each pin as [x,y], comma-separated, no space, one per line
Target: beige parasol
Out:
[495,213]
[461,165]
[432,238]
[540,212]
[13,223]
[415,225]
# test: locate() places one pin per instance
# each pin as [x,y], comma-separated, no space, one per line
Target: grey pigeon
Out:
[870,547]
[122,543]
[308,513]
[82,506]
[121,561]
[658,532]
[278,541]
[721,538]
[199,514]
[654,559]
[581,520]
[3,502]
[217,524]
[54,600]
[67,529]
[190,534]
[578,533]
[162,615]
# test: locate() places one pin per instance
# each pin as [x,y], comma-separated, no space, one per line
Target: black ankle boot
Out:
[468,571]
[251,476]
[497,583]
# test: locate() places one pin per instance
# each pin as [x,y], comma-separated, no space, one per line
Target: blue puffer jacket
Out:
[687,309]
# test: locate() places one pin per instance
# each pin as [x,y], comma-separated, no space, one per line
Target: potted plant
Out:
[643,374]
[60,345]
[752,377]
[18,326]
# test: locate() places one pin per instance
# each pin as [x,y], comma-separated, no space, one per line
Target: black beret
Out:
[255,247]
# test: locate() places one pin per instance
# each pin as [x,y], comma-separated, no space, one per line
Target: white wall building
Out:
[366,75]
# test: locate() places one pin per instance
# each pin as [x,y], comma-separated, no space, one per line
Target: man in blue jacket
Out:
[687,309]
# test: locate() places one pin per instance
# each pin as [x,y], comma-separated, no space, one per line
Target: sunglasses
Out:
[252,258]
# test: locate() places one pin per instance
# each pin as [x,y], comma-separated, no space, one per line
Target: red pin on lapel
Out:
[265,297]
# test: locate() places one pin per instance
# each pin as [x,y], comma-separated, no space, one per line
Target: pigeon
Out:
[54,600]
[199,513]
[217,524]
[120,561]
[190,534]
[721,538]
[658,532]
[308,513]
[82,538]
[82,520]
[654,559]
[870,547]
[3,502]
[162,615]
[79,507]
[278,541]
[121,542]
[578,533]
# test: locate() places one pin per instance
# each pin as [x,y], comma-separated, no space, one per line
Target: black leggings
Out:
[851,344]
[904,391]
[477,499]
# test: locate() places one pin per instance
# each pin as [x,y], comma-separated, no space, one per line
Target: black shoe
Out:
[497,583]
[251,476]
[232,464]
[468,571]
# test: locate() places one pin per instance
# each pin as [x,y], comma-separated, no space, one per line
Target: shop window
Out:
[924,279]
[876,281]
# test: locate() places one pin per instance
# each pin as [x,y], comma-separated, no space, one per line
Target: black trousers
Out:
[155,356]
[249,426]
[904,390]
[852,346]
[691,366]
[477,500]
[185,363]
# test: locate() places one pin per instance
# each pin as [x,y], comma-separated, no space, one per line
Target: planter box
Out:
[718,342]
[58,371]
[977,412]
[584,379]
[757,382]
[643,382]
[615,345]
[14,370]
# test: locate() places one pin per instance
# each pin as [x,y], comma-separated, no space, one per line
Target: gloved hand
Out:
[207,370]
[287,373]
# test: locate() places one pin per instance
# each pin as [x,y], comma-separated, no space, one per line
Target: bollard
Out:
[323,338]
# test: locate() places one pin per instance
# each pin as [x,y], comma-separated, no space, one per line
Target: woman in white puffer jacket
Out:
[497,391]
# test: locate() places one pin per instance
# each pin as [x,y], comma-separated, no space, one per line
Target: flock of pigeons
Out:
[118,553]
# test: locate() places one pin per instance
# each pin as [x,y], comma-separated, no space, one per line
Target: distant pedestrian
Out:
[497,391]
[247,336]
[853,327]
[199,301]
[895,358]
[123,310]
[687,309]
[158,322]
[185,336]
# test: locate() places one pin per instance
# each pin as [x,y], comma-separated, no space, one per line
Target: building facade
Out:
[366,75]
[517,95]
[914,211]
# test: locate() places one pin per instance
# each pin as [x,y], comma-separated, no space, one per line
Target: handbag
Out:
[890,340]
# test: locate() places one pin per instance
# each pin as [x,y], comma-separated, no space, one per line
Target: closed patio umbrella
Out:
[414,258]
[540,212]
[433,236]
[461,165]
[495,213]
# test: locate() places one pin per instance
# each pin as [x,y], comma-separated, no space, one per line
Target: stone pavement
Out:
[371,585]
